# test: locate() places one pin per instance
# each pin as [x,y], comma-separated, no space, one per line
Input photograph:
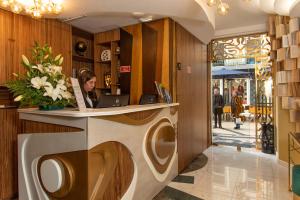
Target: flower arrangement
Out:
[44,84]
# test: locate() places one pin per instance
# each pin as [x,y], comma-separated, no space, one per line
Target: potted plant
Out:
[43,84]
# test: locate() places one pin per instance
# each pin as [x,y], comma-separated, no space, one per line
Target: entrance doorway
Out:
[241,74]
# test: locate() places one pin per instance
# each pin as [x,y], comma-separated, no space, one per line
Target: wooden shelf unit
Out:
[103,68]
[86,59]
[111,40]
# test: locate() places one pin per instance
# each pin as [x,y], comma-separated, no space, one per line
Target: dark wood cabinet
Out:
[125,60]
[149,59]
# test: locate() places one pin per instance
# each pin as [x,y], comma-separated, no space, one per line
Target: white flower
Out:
[25,60]
[61,85]
[66,94]
[55,69]
[61,60]
[18,98]
[57,57]
[47,70]
[39,67]
[38,82]
[53,93]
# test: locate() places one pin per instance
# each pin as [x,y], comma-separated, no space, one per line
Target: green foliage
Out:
[43,83]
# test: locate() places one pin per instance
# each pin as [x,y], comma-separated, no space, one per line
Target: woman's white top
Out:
[89,101]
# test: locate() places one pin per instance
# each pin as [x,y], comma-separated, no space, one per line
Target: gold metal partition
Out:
[258,47]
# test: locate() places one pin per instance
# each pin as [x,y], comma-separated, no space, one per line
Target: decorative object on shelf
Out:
[35,8]
[83,69]
[106,55]
[44,84]
[163,93]
[222,8]
[80,48]
[118,50]
[107,80]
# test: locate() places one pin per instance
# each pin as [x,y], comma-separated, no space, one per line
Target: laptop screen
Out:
[107,101]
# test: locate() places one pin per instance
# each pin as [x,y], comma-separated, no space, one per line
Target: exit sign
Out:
[125,69]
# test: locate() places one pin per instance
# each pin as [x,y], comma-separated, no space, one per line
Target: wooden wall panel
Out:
[59,37]
[108,36]
[18,34]
[192,84]
[206,125]
[25,31]
[8,154]
[5,37]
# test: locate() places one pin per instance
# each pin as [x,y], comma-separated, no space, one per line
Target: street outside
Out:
[245,136]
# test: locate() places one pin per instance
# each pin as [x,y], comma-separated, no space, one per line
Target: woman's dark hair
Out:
[84,77]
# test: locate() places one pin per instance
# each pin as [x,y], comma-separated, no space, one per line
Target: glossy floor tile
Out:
[233,175]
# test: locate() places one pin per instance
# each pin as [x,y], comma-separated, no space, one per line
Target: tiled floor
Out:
[233,175]
[245,136]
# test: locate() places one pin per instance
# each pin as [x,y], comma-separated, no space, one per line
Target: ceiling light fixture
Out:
[211,2]
[222,8]
[146,19]
[35,8]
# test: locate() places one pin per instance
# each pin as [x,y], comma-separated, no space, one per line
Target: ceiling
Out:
[101,15]
[202,21]
[243,17]
[241,13]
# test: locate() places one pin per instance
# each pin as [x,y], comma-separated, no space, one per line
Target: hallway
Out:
[233,175]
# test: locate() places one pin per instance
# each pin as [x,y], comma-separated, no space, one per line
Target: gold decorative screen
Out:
[256,46]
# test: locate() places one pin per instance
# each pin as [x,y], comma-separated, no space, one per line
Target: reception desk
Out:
[111,153]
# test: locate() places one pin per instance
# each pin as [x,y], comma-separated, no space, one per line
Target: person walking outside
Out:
[218,104]
[236,108]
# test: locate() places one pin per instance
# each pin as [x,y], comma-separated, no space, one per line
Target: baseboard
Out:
[281,162]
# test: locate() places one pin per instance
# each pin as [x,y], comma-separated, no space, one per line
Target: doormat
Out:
[184,179]
[169,193]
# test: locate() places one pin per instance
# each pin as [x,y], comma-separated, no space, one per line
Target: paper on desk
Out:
[78,94]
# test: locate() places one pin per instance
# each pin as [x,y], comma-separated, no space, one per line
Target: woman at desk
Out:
[87,81]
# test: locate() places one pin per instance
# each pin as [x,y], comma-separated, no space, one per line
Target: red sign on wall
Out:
[125,69]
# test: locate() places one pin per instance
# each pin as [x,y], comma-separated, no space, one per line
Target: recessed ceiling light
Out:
[146,19]
[138,14]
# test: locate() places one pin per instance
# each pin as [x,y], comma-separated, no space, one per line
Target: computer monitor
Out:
[148,99]
[107,101]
